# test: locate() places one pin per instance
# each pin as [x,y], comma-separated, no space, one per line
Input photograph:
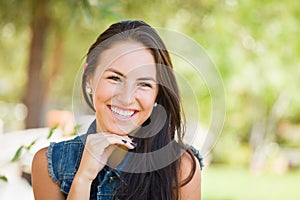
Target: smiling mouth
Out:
[122,113]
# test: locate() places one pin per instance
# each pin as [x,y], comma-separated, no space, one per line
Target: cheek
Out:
[103,92]
[147,101]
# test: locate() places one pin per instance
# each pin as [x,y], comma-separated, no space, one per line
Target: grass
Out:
[225,183]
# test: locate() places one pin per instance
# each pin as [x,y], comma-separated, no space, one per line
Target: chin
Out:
[122,130]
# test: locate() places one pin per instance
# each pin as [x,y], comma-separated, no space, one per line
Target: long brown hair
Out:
[162,183]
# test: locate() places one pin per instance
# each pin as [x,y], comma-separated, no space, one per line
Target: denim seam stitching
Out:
[50,163]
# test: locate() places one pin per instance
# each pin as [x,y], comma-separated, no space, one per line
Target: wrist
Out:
[82,178]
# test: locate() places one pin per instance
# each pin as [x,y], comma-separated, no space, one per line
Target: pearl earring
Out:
[88,90]
[155,104]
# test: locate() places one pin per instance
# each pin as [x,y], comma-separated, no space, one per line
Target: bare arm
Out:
[192,190]
[80,188]
[97,150]
[44,188]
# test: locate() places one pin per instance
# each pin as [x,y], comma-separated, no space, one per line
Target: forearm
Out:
[80,189]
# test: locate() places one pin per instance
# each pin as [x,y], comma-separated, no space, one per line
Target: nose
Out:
[126,94]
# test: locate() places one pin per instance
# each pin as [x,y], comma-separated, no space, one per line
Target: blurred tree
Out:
[46,18]
[255,47]
[36,90]
[254,44]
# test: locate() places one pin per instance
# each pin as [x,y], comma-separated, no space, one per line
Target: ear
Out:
[89,81]
[85,66]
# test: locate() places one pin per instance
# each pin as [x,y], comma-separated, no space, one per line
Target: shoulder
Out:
[43,186]
[197,155]
[190,169]
[39,159]
[39,164]
[189,164]
[56,165]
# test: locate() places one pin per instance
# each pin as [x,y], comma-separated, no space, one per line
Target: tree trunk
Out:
[35,93]
[56,60]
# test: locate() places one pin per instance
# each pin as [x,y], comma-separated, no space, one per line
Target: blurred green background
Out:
[255,46]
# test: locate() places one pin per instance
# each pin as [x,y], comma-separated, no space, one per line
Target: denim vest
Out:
[64,159]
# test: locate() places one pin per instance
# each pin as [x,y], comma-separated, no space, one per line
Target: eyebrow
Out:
[121,74]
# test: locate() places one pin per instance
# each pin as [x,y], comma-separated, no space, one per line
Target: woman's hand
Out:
[98,148]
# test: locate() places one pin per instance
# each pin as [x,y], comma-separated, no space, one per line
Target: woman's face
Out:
[124,87]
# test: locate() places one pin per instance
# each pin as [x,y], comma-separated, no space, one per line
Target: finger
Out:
[103,140]
[117,139]
[123,141]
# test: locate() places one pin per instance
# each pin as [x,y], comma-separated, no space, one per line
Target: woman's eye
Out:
[114,78]
[143,84]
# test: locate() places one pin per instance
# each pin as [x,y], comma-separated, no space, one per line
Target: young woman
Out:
[133,149]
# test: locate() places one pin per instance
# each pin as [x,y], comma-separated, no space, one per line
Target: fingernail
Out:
[133,144]
[124,141]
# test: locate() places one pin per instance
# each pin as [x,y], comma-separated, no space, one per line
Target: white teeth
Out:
[123,113]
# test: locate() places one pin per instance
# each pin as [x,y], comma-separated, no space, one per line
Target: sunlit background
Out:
[254,44]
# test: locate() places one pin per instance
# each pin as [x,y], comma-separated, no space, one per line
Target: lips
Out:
[121,113]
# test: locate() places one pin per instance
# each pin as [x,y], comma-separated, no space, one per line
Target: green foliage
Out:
[223,182]
[18,153]
[27,148]
[3,178]
[254,45]
[52,131]
[75,130]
